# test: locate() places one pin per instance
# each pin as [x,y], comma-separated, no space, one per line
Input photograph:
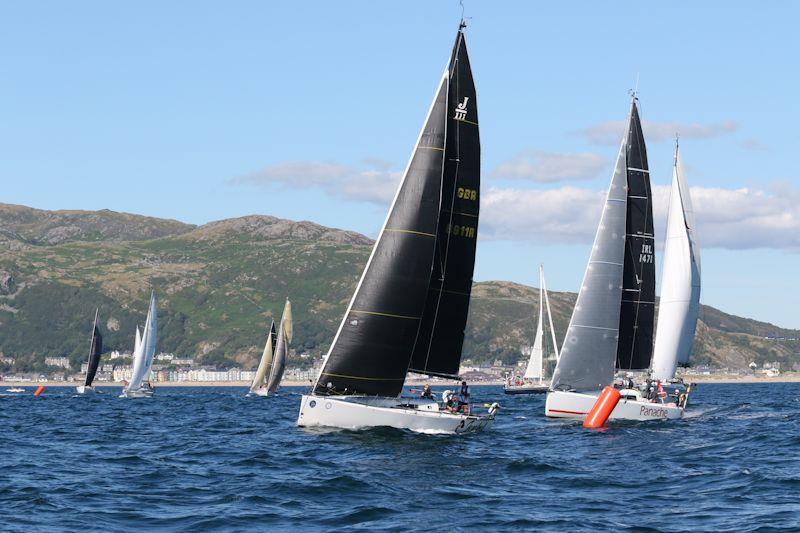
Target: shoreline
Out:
[791,377]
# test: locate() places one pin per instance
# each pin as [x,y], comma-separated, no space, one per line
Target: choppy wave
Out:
[212,459]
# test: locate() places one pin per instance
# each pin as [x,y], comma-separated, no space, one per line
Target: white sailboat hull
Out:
[138,393]
[361,412]
[259,392]
[527,388]
[577,405]
[83,389]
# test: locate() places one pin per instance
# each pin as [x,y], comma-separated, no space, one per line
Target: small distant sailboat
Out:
[95,349]
[273,360]
[143,354]
[680,281]
[612,322]
[409,310]
[533,381]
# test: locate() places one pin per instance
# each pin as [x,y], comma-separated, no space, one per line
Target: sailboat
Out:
[143,354]
[612,322]
[95,349]
[532,381]
[273,360]
[680,281]
[409,310]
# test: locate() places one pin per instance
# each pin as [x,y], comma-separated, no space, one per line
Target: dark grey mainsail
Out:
[590,345]
[95,349]
[432,219]
[637,316]
[441,336]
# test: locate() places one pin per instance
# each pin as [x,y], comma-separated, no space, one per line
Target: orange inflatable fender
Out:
[602,408]
[39,390]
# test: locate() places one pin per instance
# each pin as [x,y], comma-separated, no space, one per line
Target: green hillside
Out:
[217,286]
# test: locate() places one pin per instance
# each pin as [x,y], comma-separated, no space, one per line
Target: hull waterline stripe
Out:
[567,412]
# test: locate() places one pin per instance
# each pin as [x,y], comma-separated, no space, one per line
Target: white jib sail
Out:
[143,359]
[138,363]
[680,281]
[534,370]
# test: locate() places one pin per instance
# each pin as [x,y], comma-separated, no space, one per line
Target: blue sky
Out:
[308,110]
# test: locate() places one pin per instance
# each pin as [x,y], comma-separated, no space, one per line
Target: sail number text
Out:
[461,231]
[646,255]
[467,194]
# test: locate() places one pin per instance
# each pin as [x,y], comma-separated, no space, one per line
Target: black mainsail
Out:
[441,336]
[95,349]
[426,249]
[637,314]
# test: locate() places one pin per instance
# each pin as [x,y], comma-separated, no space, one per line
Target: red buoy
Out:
[39,390]
[602,408]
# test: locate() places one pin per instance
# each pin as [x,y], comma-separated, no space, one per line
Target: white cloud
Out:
[727,218]
[549,167]
[375,185]
[610,133]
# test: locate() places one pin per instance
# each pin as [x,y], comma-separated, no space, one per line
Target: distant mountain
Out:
[219,284]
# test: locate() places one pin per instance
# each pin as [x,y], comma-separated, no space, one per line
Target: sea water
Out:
[213,459]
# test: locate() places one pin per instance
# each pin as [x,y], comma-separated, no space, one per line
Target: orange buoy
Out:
[602,408]
[39,390]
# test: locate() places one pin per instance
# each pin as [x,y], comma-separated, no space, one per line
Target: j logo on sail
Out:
[461,109]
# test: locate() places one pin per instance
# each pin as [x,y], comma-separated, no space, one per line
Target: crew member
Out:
[463,397]
[426,393]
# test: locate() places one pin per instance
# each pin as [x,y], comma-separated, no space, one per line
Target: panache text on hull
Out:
[577,405]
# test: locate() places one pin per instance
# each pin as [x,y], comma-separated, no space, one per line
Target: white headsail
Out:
[680,281]
[145,348]
[535,363]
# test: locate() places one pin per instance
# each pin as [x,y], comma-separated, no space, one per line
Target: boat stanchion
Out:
[39,390]
[602,408]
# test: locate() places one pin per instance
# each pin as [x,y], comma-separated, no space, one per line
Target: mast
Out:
[590,344]
[637,314]
[680,283]
[372,348]
[437,350]
[95,349]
